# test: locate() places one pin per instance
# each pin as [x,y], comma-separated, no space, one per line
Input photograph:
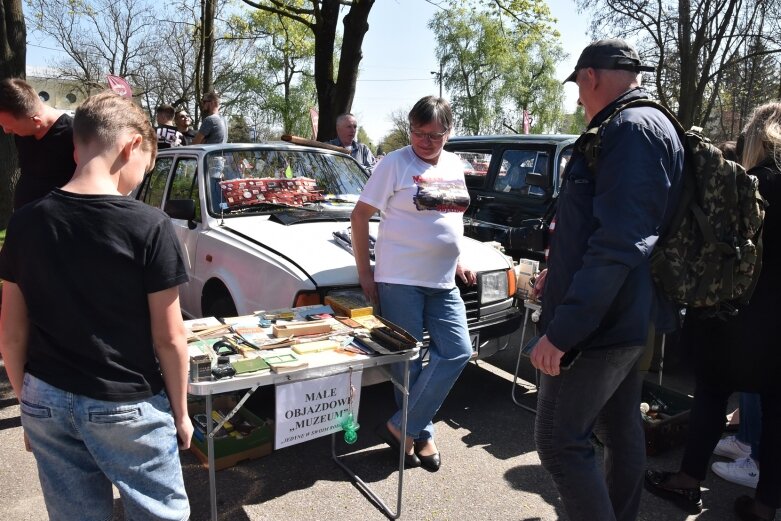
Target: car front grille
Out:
[471,301]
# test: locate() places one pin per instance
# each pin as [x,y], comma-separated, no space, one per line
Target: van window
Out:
[514,167]
[184,184]
[475,165]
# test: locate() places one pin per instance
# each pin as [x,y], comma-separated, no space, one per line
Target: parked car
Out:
[256,223]
[510,201]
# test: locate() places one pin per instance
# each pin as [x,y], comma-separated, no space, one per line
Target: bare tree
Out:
[13,54]
[100,37]
[693,43]
[334,95]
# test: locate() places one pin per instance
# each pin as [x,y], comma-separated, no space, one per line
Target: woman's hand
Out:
[466,275]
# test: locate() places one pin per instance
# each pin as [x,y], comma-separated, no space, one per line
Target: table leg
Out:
[210,457]
[518,364]
[404,388]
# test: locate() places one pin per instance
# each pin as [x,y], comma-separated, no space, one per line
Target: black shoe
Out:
[744,511]
[431,462]
[410,460]
[687,499]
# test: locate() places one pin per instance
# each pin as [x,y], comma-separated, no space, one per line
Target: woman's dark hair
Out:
[729,149]
[431,108]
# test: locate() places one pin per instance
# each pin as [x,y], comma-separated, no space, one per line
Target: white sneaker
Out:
[743,471]
[731,448]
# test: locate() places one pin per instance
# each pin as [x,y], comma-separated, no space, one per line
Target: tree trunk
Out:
[13,55]
[336,97]
[208,45]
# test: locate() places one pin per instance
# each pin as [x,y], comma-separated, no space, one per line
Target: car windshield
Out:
[263,180]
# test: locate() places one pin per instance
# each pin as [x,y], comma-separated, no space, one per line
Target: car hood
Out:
[312,246]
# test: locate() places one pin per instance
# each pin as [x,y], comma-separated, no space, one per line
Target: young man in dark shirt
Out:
[44,140]
[184,125]
[167,134]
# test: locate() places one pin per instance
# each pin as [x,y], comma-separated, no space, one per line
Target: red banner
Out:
[120,86]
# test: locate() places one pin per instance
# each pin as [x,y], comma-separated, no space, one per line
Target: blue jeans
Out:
[750,428]
[600,393]
[442,313]
[82,446]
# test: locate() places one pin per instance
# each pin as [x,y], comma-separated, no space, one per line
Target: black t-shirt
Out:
[168,136]
[45,163]
[85,264]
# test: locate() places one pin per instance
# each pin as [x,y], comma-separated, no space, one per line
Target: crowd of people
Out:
[119,412]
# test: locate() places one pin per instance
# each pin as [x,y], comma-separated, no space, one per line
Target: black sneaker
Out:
[687,499]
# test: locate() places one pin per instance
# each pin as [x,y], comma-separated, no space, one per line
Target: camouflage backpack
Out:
[711,254]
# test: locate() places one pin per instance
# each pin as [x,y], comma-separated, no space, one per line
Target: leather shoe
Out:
[687,499]
[410,460]
[432,462]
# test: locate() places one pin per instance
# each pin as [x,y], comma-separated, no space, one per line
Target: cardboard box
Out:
[670,431]
[228,451]
[525,272]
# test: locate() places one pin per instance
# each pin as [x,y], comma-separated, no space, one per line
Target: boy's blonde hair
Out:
[763,135]
[103,117]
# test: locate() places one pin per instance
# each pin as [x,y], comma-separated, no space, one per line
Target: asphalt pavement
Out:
[490,470]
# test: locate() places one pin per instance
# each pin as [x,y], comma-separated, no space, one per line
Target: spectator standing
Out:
[167,134]
[598,295]
[346,130]
[739,353]
[184,125]
[213,128]
[420,187]
[44,140]
[91,332]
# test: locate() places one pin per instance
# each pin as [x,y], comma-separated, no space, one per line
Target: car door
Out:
[184,185]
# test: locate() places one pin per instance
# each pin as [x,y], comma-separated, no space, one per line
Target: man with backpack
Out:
[599,299]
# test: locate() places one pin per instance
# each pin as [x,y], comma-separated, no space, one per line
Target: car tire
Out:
[220,307]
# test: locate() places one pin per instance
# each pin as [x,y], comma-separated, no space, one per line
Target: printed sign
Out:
[313,408]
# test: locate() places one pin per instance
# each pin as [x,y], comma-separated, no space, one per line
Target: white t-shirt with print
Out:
[421,208]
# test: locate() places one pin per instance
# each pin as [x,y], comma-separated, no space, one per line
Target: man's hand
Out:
[369,288]
[466,275]
[184,431]
[546,357]
[539,284]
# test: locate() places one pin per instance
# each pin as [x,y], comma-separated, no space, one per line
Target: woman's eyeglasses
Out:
[433,136]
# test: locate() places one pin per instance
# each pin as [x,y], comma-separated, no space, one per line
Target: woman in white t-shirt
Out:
[421,195]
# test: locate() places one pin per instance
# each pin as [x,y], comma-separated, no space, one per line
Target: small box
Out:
[672,429]
[228,451]
[525,272]
[349,305]
[311,327]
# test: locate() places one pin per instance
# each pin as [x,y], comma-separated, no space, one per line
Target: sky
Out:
[399,57]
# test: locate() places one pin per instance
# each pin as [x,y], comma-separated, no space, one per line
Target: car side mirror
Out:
[181,209]
[537,179]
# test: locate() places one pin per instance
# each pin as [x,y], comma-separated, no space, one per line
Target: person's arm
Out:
[467,276]
[14,332]
[359,221]
[199,138]
[170,341]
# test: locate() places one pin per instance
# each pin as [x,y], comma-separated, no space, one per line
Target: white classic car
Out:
[256,223]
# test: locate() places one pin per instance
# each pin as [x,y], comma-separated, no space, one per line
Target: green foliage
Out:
[398,137]
[497,61]
[364,138]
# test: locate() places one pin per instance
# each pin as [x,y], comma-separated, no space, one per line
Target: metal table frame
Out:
[529,307]
[252,383]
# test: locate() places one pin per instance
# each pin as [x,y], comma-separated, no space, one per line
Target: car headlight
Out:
[493,286]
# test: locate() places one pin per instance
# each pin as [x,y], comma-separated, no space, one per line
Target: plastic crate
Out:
[671,430]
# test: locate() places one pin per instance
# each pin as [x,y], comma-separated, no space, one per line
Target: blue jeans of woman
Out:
[82,446]
[600,393]
[442,313]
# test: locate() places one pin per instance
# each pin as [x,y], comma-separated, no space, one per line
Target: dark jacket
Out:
[599,292]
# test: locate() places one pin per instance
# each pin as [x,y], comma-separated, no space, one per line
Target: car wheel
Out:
[220,307]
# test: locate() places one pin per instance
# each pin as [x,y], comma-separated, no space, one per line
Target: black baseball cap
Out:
[609,54]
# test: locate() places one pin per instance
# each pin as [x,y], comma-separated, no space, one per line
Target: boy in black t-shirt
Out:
[90,318]
[44,140]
